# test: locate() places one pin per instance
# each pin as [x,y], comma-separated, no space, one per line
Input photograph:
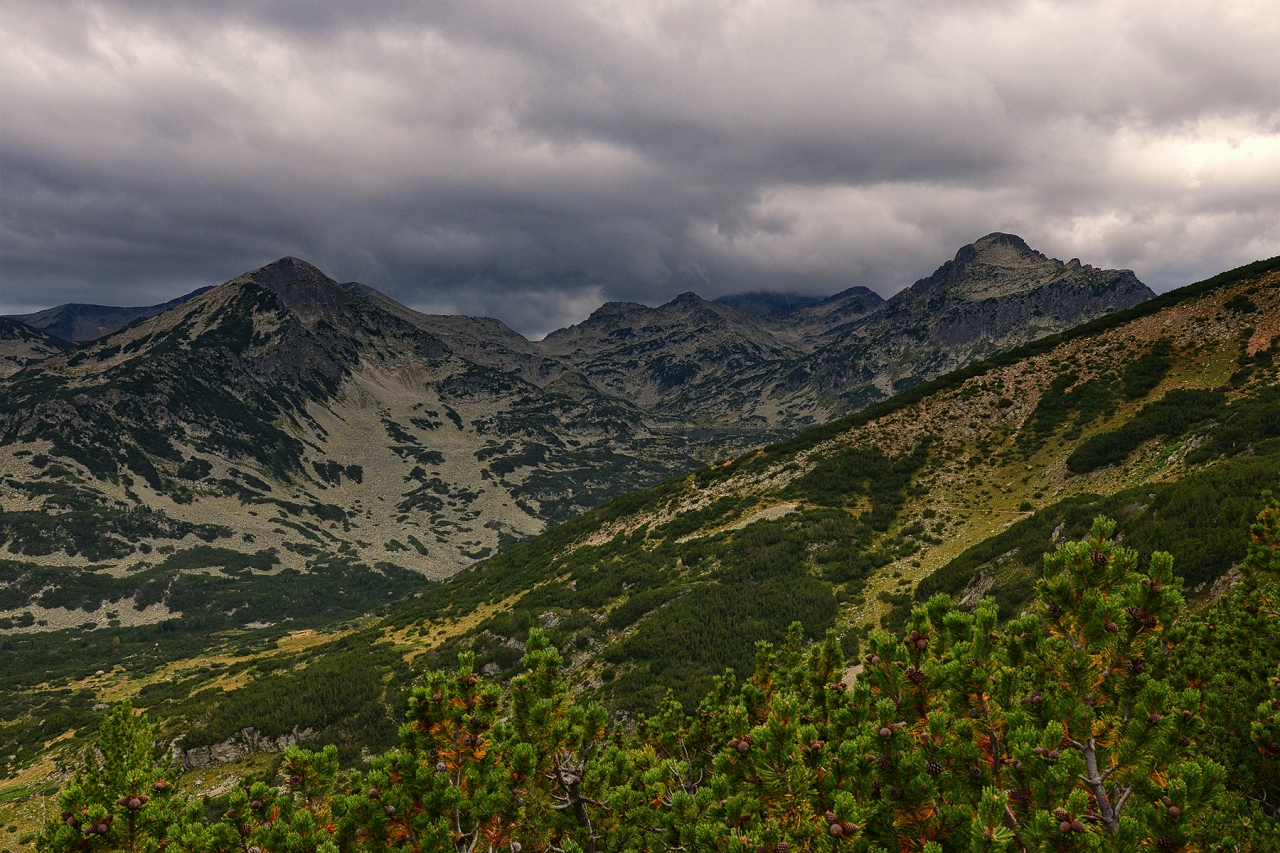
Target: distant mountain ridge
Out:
[767,303]
[762,362]
[784,370]
[80,322]
[996,294]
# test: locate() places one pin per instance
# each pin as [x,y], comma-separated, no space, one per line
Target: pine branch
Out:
[1095,781]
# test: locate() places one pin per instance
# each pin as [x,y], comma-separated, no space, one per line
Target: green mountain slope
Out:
[958,486]
[22,345]
[284,447]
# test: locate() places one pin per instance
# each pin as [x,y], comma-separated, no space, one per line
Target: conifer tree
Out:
[119,798]
[552,746]
[447,787]
[1080,726]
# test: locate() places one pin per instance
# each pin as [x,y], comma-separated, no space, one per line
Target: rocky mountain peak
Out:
[301,289]
[616,322]
[859,292]
[997,246]
[1000,266]
[288,273]
[690,307]
[690,304]
[810,325]
[286,329]
[608,313]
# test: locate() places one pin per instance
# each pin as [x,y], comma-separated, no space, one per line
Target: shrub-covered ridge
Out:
[1087,724]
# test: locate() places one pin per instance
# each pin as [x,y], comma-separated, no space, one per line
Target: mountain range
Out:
[1165,417]
[79,322]
[290,423]
[262,406]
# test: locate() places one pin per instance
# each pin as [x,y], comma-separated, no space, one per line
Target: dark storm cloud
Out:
[529,159]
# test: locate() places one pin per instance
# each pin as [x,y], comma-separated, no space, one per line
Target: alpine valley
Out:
[267,511]
[284,447]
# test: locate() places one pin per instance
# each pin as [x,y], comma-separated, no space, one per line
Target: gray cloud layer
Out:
[531,159]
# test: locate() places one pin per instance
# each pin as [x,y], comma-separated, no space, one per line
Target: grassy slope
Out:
[914,496]
[840,527]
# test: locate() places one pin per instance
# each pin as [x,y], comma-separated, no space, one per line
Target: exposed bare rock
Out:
[996,294]
[246,741]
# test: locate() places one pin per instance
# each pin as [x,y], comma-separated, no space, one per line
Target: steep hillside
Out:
[79,322]
[22,345]
[283,430]
[1166,416]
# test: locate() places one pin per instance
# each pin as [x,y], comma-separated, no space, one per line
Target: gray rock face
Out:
[684,358]
[1005,285]
[786,366]
[996,294]
[247,740]
[812,326]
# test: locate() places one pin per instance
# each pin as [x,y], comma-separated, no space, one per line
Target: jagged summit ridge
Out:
[292,279]
[303,290]
[287,271]
[689,361]
[1002,265]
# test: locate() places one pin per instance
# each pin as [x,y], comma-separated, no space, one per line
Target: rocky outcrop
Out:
[247,740]
[996,294]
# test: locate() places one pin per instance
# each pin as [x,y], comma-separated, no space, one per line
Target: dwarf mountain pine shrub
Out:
[1077,727]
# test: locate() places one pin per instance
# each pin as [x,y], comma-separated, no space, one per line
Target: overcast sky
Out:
[531,159]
